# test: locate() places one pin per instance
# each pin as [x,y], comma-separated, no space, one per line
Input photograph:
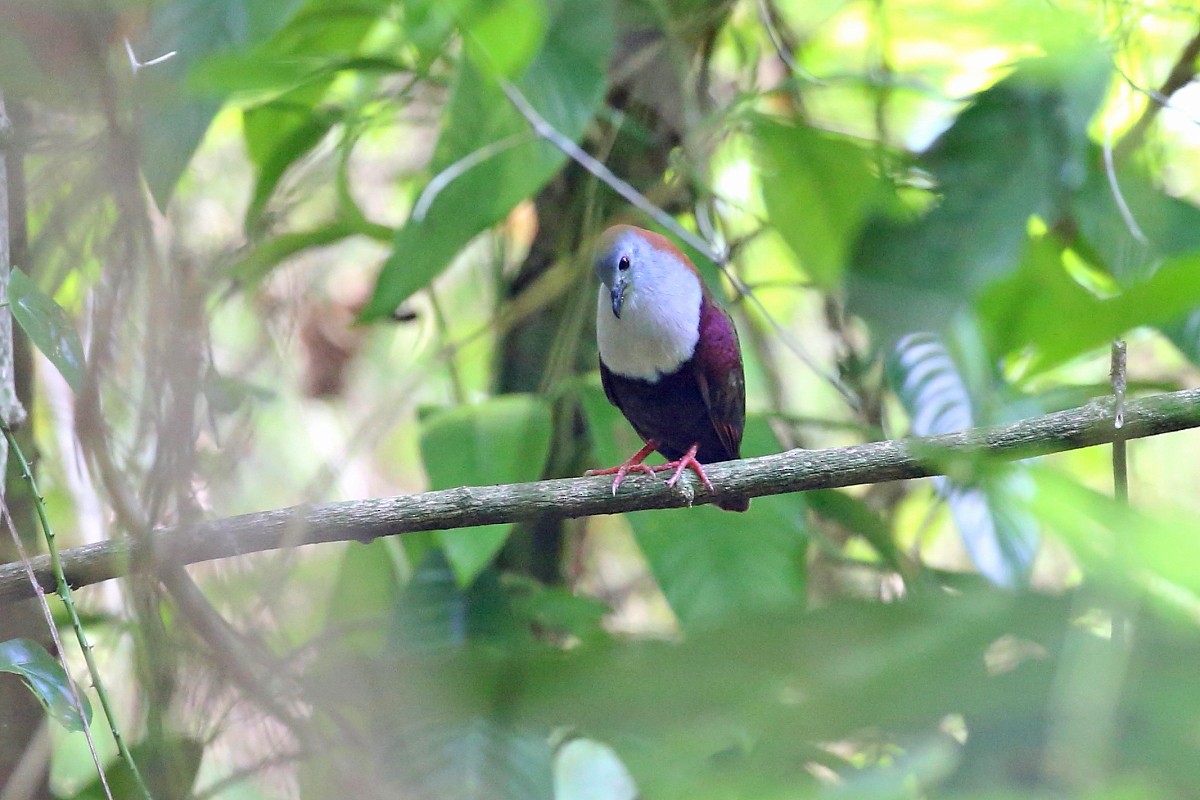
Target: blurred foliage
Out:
[319,253]
[48,327]
[48,681]
[499,441]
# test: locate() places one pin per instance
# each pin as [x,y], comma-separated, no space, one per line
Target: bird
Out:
[669,358]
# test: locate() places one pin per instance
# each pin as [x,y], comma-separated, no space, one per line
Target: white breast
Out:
[659,324]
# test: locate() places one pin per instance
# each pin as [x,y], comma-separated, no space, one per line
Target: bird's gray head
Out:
[616,252]
[628,258]
[648,311]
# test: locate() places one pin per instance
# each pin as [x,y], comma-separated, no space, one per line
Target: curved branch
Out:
[792,471]
[1181,75]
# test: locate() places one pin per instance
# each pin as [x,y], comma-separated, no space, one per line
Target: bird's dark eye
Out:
[623,264]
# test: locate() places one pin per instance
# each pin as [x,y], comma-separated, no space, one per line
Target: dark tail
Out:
[734,503]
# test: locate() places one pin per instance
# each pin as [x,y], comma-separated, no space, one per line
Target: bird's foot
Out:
[687,462]
[635,463]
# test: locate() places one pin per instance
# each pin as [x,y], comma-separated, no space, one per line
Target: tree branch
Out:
[792,471]
[1181,75]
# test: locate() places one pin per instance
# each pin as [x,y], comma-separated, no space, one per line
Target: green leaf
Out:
[712,565]
[504,440]
[1024,315]
[277,135]
[1165,226]
[564,82]
[226,394]
[366,590]
[482,759]
[507,34]
[1156,555]
[47,680]
[174,122]
[425,716]
[260,261]
[169,768]
[1001,538]
[1015,153]
[552,608]
[855,516]
[818,189]
[1184,333]
[48,326]
[436,614]
[768,687]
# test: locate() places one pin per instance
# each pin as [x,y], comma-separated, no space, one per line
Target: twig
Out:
[462,166]
[793,471]
[12,413]
[585,159]
[1180,75]
[1124,610]
[768,17]
[62,586]
[1114,186]
[457,384]
[136,66]
[1083,710]
[1117,374]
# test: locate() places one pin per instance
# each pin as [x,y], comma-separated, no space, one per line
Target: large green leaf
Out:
[503,440]
[304,59]
[1130,243]
[507,35]
[564,82]
[751,698]
[713,565]
[1016,152]
[1158,554]
[47,680]
[744,708]
[1027,314]
[364,595]
[818,190]
[433,738]
[174,119]
[47,326]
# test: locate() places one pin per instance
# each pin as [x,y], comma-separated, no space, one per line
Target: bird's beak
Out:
[618,297]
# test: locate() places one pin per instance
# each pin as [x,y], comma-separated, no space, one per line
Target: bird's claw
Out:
[625,469]
[634,464]
[688,462]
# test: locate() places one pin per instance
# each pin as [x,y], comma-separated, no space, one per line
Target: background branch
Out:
[792,471]
[1181,75]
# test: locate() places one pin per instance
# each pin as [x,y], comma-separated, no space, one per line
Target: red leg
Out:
[633,464]
[687,462]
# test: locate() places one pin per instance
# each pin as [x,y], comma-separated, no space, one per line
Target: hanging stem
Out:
[64,592]
[443,325]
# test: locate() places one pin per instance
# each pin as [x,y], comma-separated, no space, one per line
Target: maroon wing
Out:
[718,364]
